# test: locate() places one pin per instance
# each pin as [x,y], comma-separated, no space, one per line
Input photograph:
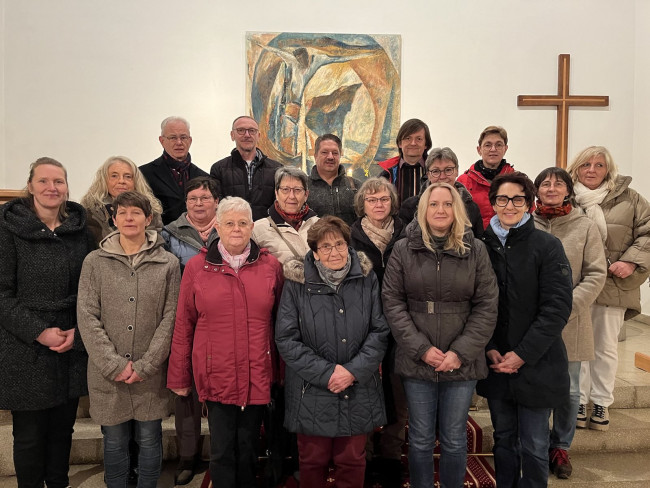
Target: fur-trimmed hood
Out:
[294,268]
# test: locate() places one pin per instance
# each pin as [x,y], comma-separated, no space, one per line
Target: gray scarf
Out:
[333,277]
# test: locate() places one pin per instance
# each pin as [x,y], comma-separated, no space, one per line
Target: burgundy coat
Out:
[224,328]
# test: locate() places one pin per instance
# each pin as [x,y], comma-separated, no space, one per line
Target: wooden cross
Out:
[562,101]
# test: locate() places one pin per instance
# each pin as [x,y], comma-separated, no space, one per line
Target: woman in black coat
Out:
[43,242]
[528,361]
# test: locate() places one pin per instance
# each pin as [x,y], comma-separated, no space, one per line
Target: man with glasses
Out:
[247,173]
[442,166]
[406,171]
[168,174]
[492,146]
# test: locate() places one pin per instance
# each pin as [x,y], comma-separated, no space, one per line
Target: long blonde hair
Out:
[97,194]
[457,231]
[588,153]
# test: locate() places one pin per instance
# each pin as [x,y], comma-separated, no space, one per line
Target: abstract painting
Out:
[301,86]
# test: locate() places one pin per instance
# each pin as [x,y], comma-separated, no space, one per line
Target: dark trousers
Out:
[188,424]
[42,442]
[348,454]
[234,434]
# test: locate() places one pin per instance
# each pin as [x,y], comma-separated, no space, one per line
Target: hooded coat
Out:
[183,240]
[126,311]
[39,277]
[319,327]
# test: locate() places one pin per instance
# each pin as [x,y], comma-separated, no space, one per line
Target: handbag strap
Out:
[291,248]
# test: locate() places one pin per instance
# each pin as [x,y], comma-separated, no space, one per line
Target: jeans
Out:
[42,442]
[234,433]
[564,417]
[521,443]
[448,402]
[148,436]
[348,454]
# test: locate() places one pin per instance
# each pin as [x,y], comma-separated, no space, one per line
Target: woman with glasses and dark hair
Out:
[331,333]
[528,362]
[555,213]
[440,299]
[284,231]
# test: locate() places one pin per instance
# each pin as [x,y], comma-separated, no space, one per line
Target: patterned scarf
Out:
[237,261]
[550,212]
[589,201]
[294,220]
[204,231]
[380,237]
[180,169]
[333,277]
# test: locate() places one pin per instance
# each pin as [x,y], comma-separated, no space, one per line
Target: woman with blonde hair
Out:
[623,219]
[117,175]
[440,298]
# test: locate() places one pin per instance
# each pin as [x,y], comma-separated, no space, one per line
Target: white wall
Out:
[85,80]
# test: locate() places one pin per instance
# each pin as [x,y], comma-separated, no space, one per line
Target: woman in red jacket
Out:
[223,336]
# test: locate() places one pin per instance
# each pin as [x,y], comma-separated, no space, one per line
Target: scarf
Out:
[204,231]
[590,201]
[380,237]
[237,261]
[550,212]
[488,173]
[180,169]
[502,233]
[333,277]
[294,220]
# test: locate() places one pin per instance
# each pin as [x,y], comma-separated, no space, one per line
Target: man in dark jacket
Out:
[247,173]
[442,167]
[168,174]
[331,191]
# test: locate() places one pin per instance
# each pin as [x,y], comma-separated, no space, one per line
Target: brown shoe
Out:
[559,463]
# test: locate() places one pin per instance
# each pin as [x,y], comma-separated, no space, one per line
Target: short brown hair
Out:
[327,137]
[370,187]
[132,199]
[493,129]
[327,225]
[202,183]
[517,178]
[412,126]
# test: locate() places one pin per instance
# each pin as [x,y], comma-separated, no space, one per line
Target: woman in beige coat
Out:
[623,219]
[126,309]
[556,214]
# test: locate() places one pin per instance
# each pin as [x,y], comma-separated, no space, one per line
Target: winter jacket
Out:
[319,327]
[335,199]
[224,328]
[440,299]
[183,240]
[393,172]
[628,239]
[361,242]
[583,247]
[479,187]
[409,208]
[126,312]
[39,276]
[166,189]
[100,222]
[266,236]
[231,174]
[535,291]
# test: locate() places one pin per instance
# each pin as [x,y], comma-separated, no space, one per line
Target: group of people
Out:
[352,305]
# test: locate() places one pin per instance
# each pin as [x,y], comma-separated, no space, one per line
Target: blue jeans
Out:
[520,444]
[448,403]
[564,417]
[148,436]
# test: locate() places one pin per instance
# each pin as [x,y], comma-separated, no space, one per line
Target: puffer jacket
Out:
[479,187]
[628,239]
[319,327]
[39,277]
[224,328]
[126,311]
[335,199]
[266,236]
[231,174]
[584,249]
[535,294]
[442,299]
[183,240]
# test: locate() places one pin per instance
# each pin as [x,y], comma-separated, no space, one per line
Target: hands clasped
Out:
[443,361]
[341,378]
[509,363]
[56,339]
[128,375]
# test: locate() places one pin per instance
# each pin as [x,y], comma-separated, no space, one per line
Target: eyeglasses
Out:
[372,201]
[195,200]
[241,131]
[285,190]
[326,249]
[498,145]
[230,225]
[437,172]
[503,200]
[182,138]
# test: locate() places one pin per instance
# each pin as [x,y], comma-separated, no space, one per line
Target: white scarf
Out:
[590,201]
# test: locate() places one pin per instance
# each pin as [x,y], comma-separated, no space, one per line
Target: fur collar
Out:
[294,268]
